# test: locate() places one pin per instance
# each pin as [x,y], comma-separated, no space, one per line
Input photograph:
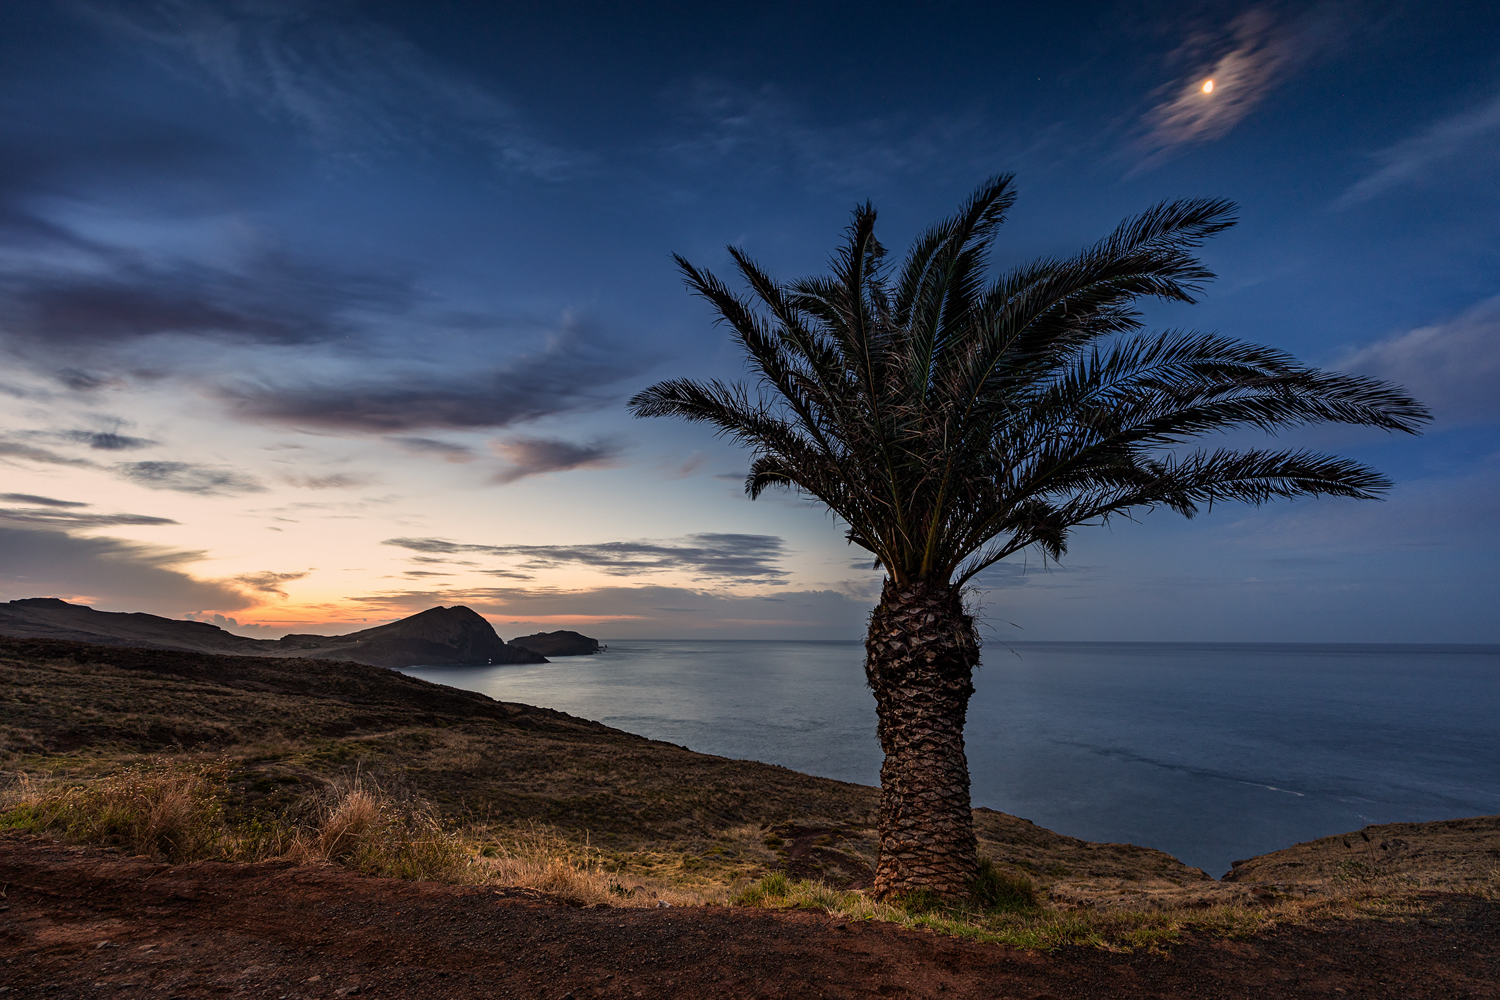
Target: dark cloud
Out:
[37,501]
[272,298]
[268,582]
[15,449]
[569,375]
[539,456]
[60,289]
[707,556]
[108,440]
[82,381]
[76,519]
[185,477]
[108,572]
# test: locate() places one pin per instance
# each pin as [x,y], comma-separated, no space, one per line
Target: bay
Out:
[1211,752]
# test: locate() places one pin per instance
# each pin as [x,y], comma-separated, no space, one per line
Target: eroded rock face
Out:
[560,643]
[437,636]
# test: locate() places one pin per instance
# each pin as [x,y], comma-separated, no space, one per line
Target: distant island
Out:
[559,643]
[436,637]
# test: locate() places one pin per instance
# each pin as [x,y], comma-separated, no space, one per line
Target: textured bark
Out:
[919,660]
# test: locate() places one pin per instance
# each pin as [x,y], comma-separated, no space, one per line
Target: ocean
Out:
[1210,752]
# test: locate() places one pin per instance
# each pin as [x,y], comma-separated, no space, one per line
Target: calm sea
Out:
[1211,752]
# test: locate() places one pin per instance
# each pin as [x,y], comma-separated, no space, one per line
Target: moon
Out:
[1208,86]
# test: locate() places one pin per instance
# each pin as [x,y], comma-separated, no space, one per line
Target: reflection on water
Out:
[1212,752]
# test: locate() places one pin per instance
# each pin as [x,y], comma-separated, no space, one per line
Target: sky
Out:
[315,315]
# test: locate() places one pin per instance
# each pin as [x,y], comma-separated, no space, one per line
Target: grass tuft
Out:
[998,891]
[160,810]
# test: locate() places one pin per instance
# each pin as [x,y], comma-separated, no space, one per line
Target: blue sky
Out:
[316,314]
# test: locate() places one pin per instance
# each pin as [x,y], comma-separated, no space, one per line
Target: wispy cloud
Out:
[106,297]
[34,500]
[1411,160]
[268,582]
[355,88]
[187,477]
[1231,71]
[704,556]
[329,480]
[1453,366]
[18,449]
[108,440]
[51,515]
[763,133]
[529,456]
[446,450]
[571,372]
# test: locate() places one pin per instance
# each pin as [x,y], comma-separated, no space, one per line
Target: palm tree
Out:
[950,422]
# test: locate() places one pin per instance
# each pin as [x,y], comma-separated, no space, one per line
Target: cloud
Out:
[108,440]
[186,477]
[111,572]
[1246,61]
[15,449]
[762,133]
[358,90]
[705,556]
[430,446]
[568,374]
[108,297]
[1410,160]
[268,582]
[614,613]
[331,481]
[73,518]
[539,456]
[1454,367]
[37,501]
[676,467]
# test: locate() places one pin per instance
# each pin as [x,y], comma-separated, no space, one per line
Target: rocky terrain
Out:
[436,636]
[1405,910]
[86,922]
[560,643]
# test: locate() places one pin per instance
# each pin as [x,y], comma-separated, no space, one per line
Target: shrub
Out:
[162,810]
[361,826]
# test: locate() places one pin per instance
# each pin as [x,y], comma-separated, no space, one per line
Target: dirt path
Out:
[84,922]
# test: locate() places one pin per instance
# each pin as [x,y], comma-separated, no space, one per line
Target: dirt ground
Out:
[90,922]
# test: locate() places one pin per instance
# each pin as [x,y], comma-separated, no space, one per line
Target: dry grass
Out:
[176,811]
[181,756]
[159,810]
[1042,926]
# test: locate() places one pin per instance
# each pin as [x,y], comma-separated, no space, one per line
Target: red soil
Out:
[87,922]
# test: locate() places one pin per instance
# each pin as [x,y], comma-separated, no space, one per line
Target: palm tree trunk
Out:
[919,660]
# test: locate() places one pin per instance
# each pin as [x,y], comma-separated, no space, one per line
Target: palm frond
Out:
[952,422]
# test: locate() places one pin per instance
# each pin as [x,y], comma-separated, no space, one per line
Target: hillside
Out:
[1369,921]
[436,636]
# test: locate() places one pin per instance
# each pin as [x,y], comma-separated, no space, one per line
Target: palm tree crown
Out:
[951,422]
